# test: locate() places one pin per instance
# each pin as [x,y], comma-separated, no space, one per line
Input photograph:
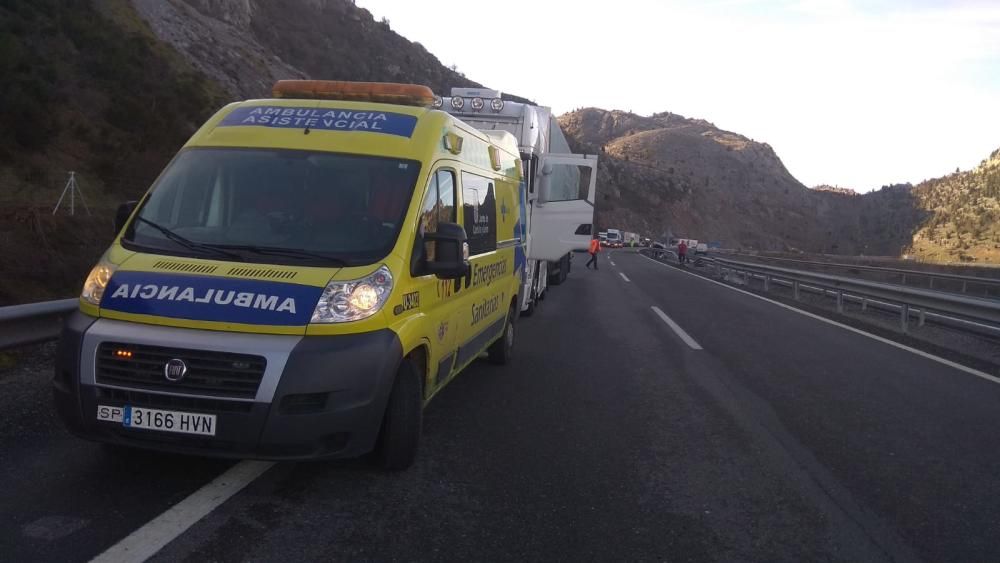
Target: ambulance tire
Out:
[502,351]
[401,425]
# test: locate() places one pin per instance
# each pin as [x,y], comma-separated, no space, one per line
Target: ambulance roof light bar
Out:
[381,92]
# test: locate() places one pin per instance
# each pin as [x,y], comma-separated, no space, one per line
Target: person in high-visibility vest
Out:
[595,247]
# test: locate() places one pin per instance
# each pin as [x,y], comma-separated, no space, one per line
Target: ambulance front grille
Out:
[264,273]
[184,267]
[209,373]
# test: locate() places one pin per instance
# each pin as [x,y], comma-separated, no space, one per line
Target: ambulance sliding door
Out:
[563,211]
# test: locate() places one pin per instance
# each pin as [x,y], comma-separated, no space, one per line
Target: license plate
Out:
[154,419]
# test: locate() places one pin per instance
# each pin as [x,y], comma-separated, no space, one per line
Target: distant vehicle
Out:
[658,245]
[701,248]
[614,238]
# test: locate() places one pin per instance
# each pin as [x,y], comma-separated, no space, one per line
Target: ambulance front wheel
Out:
[501,351]
[401,425]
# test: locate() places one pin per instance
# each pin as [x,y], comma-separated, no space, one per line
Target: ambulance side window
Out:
[438,207]
[479,212]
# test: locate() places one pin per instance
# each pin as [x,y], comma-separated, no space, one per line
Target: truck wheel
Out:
[502,350]
[560,276]
[532,297]
[401,425]
[531,307]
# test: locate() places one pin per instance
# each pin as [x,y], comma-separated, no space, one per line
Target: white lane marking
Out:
[940,360]
[143,543]
[677,328]
[624,277]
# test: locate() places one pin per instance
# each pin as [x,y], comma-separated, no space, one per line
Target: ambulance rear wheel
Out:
[401,425]
[502,350]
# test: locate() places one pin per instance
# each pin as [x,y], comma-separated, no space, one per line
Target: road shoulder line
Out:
[145,542]
[929,356]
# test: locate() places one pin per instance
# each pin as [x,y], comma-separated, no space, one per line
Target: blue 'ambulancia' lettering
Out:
[282,117]
[211,299]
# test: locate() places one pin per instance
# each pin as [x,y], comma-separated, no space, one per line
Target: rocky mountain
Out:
[835,189]
[246,45]
[670,175]
[964,215]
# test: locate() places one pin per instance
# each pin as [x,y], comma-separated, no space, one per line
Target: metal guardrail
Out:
[33,322]
[903,273]
[904,297]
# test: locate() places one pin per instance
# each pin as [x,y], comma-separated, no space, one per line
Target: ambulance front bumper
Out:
[318,396]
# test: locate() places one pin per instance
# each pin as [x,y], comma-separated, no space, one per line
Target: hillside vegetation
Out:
[112,88]
[964,209]
[89,90]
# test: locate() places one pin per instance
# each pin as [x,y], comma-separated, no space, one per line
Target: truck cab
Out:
[558,191]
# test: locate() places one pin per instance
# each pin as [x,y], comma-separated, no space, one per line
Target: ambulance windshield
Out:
[276,206]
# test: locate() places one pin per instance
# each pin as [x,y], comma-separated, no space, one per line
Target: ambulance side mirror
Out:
[124,212]
[451,252]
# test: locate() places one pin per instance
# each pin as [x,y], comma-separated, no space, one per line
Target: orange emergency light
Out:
[384,92]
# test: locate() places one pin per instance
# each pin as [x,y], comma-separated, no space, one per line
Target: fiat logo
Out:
[175,370]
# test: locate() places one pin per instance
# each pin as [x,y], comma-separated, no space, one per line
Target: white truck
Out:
[614,238]
[559,188]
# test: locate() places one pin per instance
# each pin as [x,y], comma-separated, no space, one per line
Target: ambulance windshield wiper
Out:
[280,251]
[202,247]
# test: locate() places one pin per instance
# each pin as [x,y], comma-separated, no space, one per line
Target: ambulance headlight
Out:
[496,104]
[457,102]
[344,301]
[477,103]
[97,281]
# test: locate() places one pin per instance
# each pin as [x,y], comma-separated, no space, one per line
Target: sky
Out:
[849,93]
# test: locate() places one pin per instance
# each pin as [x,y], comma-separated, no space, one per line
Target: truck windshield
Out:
[276,206]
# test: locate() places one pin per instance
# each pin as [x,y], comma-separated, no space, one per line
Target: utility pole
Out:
[73,188]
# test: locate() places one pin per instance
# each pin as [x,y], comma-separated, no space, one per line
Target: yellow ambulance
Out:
[300,280]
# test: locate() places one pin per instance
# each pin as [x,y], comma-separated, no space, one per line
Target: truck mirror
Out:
[123,213]
[451,252]
[544,185]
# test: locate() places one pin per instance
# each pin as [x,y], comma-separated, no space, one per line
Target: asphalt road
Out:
[610,438]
